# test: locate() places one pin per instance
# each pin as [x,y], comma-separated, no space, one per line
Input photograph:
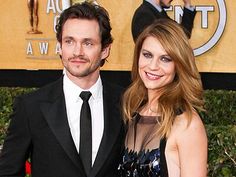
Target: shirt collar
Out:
[96,89]
[72,91]
[155,5]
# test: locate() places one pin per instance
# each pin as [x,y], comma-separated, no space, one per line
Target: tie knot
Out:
[85,95]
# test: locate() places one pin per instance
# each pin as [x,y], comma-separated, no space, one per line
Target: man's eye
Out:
[69,41]
[88,43]
[147,55]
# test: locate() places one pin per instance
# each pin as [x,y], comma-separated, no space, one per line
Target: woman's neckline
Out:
[147,119]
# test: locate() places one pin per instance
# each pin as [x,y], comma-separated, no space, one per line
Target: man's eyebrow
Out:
[90,40]
[68,37]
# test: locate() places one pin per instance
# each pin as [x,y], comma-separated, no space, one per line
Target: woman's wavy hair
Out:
[185,93]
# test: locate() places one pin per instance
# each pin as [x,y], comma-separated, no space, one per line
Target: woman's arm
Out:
[192,147]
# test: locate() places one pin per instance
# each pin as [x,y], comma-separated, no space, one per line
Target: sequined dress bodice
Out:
[144,153]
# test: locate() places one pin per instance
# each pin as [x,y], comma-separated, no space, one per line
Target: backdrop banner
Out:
[27,33]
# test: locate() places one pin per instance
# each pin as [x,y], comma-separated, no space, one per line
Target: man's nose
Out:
[78,49]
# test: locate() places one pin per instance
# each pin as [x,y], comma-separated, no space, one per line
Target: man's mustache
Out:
[80,57]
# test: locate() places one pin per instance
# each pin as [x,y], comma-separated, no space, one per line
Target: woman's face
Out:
[156,68]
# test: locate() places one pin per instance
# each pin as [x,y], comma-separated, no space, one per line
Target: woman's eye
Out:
[166,59]
[147,55]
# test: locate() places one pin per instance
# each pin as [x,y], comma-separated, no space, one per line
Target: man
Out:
[151,10]
[46,124]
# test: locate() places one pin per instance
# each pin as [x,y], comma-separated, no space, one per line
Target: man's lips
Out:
[78,60]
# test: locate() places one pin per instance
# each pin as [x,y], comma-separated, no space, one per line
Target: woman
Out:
[166,136]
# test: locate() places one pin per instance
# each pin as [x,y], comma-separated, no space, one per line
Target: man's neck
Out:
[85,82]
[156,4]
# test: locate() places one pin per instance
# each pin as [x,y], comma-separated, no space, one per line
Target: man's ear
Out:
[60,52]
[105,52]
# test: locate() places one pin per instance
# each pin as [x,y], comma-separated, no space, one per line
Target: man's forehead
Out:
[82,28]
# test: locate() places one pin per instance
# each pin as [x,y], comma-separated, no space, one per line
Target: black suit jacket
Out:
[39,129]
[146,14]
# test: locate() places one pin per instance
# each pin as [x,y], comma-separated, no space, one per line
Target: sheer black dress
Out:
[144,154]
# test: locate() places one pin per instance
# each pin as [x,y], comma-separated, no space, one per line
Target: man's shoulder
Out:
[145,7]
[112,91]
[146,12]
[44,92]
[112,87]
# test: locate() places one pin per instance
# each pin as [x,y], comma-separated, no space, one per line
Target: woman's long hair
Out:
[184,93]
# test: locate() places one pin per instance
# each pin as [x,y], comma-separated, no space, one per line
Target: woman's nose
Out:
[154,64]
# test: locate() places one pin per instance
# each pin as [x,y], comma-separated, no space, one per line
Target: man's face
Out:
[165,3]
[81,48]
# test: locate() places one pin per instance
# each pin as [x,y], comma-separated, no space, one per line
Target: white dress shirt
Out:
[73,107]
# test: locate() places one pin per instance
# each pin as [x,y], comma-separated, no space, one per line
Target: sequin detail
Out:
[142,164]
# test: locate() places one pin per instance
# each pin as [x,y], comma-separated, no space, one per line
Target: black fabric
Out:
[146,14]
[141,133]
[39,129]
[144,155]
[85,148]
[163,165]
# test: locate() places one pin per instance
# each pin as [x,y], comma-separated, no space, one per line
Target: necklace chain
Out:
[150,109]
[154,111]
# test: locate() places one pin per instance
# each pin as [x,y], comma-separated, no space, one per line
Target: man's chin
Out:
[165,6]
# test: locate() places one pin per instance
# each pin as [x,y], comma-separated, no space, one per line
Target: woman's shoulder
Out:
[189,141]
[185,128]
[185,123]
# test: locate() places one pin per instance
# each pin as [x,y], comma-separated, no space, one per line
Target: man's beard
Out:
[87,71]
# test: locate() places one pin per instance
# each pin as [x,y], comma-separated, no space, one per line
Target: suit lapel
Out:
[54,111]
[112,126]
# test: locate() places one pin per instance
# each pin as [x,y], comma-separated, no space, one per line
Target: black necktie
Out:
[85,148]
